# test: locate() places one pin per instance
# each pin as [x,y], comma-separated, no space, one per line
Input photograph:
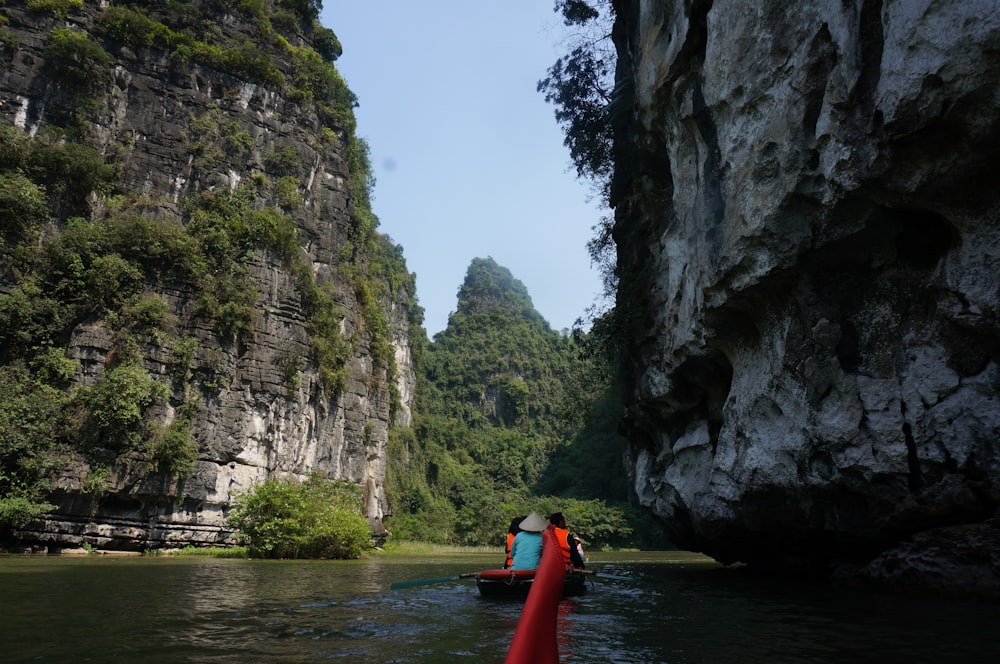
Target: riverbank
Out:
[392,549]
[412,548]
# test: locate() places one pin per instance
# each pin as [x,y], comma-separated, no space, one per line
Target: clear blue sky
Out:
[468,158]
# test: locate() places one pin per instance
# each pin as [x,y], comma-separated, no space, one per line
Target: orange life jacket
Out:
[562,536]
[510,543]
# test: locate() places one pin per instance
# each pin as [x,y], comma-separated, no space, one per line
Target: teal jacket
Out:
[526,550]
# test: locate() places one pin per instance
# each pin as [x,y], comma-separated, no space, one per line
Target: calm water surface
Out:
[678,610]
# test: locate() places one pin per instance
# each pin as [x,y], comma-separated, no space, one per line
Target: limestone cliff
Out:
[215,99]
[807,199]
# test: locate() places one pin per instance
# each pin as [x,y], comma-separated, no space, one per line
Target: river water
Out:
[674,608]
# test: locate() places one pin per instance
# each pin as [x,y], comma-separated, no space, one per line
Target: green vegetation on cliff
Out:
[82,254]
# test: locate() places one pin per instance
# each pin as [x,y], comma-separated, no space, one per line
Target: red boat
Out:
[517,582]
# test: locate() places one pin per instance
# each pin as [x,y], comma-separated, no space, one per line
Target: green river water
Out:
[678,610]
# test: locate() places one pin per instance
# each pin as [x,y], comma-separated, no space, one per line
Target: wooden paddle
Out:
[427,582]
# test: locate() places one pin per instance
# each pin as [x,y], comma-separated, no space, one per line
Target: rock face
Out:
[252,422]
[807,201]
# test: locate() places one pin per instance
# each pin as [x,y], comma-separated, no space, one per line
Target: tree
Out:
[31,415]
[581,86]
[313,519]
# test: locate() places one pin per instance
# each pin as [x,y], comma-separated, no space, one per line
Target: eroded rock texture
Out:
[258,417]
[807,204]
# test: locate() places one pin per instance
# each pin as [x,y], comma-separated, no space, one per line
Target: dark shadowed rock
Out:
[954,560]
[807,205]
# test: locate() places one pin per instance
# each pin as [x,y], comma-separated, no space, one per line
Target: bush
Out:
[15,146]
[286,190]
[326,44]
[283,162]
[147,313]
[69,173]
[58,8]
[19,511]
[315,78]
[118,404]
[238,140]
[129,26]
[274,230]
[314,519]
[9,43]
[23,206]
[111,280]
[53,367]
[235,320]
[30,317]
[77,56]
[173,449]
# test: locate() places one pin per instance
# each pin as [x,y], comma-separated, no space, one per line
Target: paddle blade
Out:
[421,582]
[426,582]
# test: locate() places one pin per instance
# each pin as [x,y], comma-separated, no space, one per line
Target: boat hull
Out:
[517,583]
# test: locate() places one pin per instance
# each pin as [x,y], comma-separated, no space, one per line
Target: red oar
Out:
[535,637]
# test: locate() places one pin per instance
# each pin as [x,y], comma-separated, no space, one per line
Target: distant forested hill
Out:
[510,416]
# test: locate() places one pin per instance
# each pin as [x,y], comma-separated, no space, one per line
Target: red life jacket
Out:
[510,543]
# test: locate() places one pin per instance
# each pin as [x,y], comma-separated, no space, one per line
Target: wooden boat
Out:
[517,582]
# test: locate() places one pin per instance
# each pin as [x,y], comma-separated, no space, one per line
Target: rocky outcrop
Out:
[806,198]
[166,121]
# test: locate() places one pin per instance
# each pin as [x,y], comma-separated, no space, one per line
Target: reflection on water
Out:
[674,610]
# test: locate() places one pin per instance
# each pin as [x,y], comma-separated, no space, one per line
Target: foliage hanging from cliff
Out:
[97,270]
[581,83]
[188,34]
[313,519]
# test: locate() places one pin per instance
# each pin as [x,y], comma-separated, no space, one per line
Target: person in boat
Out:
[515,528]
[526,550]
[569,544]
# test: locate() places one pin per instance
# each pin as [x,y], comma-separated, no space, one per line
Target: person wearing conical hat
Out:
[526,550]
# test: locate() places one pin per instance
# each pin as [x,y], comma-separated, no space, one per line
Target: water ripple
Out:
[266,612]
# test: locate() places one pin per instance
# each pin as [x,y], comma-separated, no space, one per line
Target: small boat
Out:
[517,582]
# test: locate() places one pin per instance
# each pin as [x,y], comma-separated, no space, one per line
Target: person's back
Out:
[569,544]
[526,550]
[515,528]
